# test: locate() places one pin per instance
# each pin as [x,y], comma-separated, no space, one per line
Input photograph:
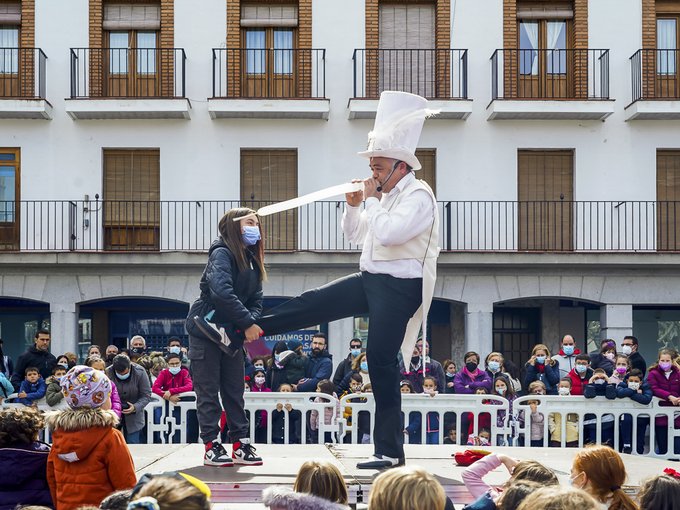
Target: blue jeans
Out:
[133,437]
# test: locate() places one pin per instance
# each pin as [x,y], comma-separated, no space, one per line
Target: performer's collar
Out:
[403,182]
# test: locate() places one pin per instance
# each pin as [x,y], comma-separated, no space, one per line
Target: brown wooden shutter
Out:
[668,198]
[269,176]
[132,199]
[10,13]
[545,194]
[428,172]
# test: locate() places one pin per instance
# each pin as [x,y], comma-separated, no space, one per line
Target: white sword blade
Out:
[333,191]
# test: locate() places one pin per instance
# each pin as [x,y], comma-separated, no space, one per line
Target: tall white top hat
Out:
[398,123]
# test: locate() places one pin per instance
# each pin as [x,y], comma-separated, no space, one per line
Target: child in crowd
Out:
[324,387]
[599,470]
[89,458]
[432,418]
[451,435]
[258,385]
[483,419]
[53,394]
[599,386]
[406,487]
[170,383]
[116,501]
[450,370]
[559,498]
[485,495]
[580,375]
[279,418]
[621,368]
[23,460]
[318,486]
[412,430]
[355,383]
[481,439]
[503,388]
[177,491]
[537,423]
[661,492]
[636,389]
[116,405]
[513,495]
[32,388]
[571,422]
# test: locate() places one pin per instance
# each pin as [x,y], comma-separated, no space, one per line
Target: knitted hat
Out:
[294,344]
[85,387]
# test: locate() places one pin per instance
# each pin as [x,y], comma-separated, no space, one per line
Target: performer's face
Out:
[381,168]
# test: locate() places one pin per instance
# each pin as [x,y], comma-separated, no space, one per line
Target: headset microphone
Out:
[394,167]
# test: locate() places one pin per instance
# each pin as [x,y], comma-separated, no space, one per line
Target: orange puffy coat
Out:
[89,458]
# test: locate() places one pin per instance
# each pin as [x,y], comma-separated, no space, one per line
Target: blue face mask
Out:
[364,366]
[122,377]
[568,350]
[175,349]
[175,370]
[251,235]
[494,365]
[540,360]
[355,352]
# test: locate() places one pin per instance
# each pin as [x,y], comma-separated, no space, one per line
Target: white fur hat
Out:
[398,123]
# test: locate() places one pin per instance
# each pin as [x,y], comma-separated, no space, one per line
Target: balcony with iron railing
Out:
[440,75]
[128,83]
[22,84]
[269,83]
[550,84]
[465,226]
[655,79]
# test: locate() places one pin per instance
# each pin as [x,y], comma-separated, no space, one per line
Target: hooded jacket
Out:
[44,361]
[319,367]
[89,458]
[283,498]
[23,480]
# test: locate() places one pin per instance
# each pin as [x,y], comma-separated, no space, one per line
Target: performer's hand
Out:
[371,188]
[253,333]
[354,199]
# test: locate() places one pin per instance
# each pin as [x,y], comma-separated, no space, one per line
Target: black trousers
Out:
[389,302]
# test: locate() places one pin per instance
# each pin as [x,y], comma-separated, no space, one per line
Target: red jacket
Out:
[578,384]
[180,383]
[89,458]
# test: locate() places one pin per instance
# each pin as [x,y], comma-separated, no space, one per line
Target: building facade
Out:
[128,127]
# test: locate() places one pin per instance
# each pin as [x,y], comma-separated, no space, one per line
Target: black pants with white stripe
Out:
[389,303]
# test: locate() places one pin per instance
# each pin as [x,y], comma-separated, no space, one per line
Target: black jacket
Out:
[637,361]
[44,361]
[236,296]
[344,368]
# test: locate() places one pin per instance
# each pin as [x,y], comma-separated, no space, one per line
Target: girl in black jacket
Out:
[227,309]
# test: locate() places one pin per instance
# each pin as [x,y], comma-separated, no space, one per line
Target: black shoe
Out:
[229,341]
[217,456]
[244,453]
[627,449]
[381,462]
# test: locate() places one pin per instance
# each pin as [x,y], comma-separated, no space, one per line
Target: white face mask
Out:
[627,349]
[564,391]
[259,381]
[634,386]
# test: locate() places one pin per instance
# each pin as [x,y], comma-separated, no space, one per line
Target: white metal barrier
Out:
[606,417]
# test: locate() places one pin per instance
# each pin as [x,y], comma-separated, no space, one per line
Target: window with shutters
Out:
[131,199]
[428,172]
[668,200]
[667,56]
[269,176]
[545,199]
[10,173]
[10,54]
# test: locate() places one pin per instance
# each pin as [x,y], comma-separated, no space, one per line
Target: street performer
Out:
[399,232]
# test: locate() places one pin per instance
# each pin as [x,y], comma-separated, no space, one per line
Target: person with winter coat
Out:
[638,390]
[6,388]
[225,315]
[38,356]
[345,366]
[279,417]
[580,375]
[495,367]
[173,380]
[23,459]
[324,387]
[566,359]
[116,405]
[605,357]
[53,396]
[541,367]
[471,377]
[89,458]
[599,386]
[360,368]
[319,365]
[134,390]
[32,388]
[664,379]
[296,365]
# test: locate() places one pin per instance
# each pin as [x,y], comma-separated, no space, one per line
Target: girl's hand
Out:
[253,333]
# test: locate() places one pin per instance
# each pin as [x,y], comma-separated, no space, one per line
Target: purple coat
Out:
[663,388]
[466,385]
[24,476]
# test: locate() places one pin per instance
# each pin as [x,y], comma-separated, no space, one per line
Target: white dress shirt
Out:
[390,227]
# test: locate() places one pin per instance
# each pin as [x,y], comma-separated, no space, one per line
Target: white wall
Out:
[61,158]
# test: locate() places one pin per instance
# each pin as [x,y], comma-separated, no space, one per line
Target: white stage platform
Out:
[241,486]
